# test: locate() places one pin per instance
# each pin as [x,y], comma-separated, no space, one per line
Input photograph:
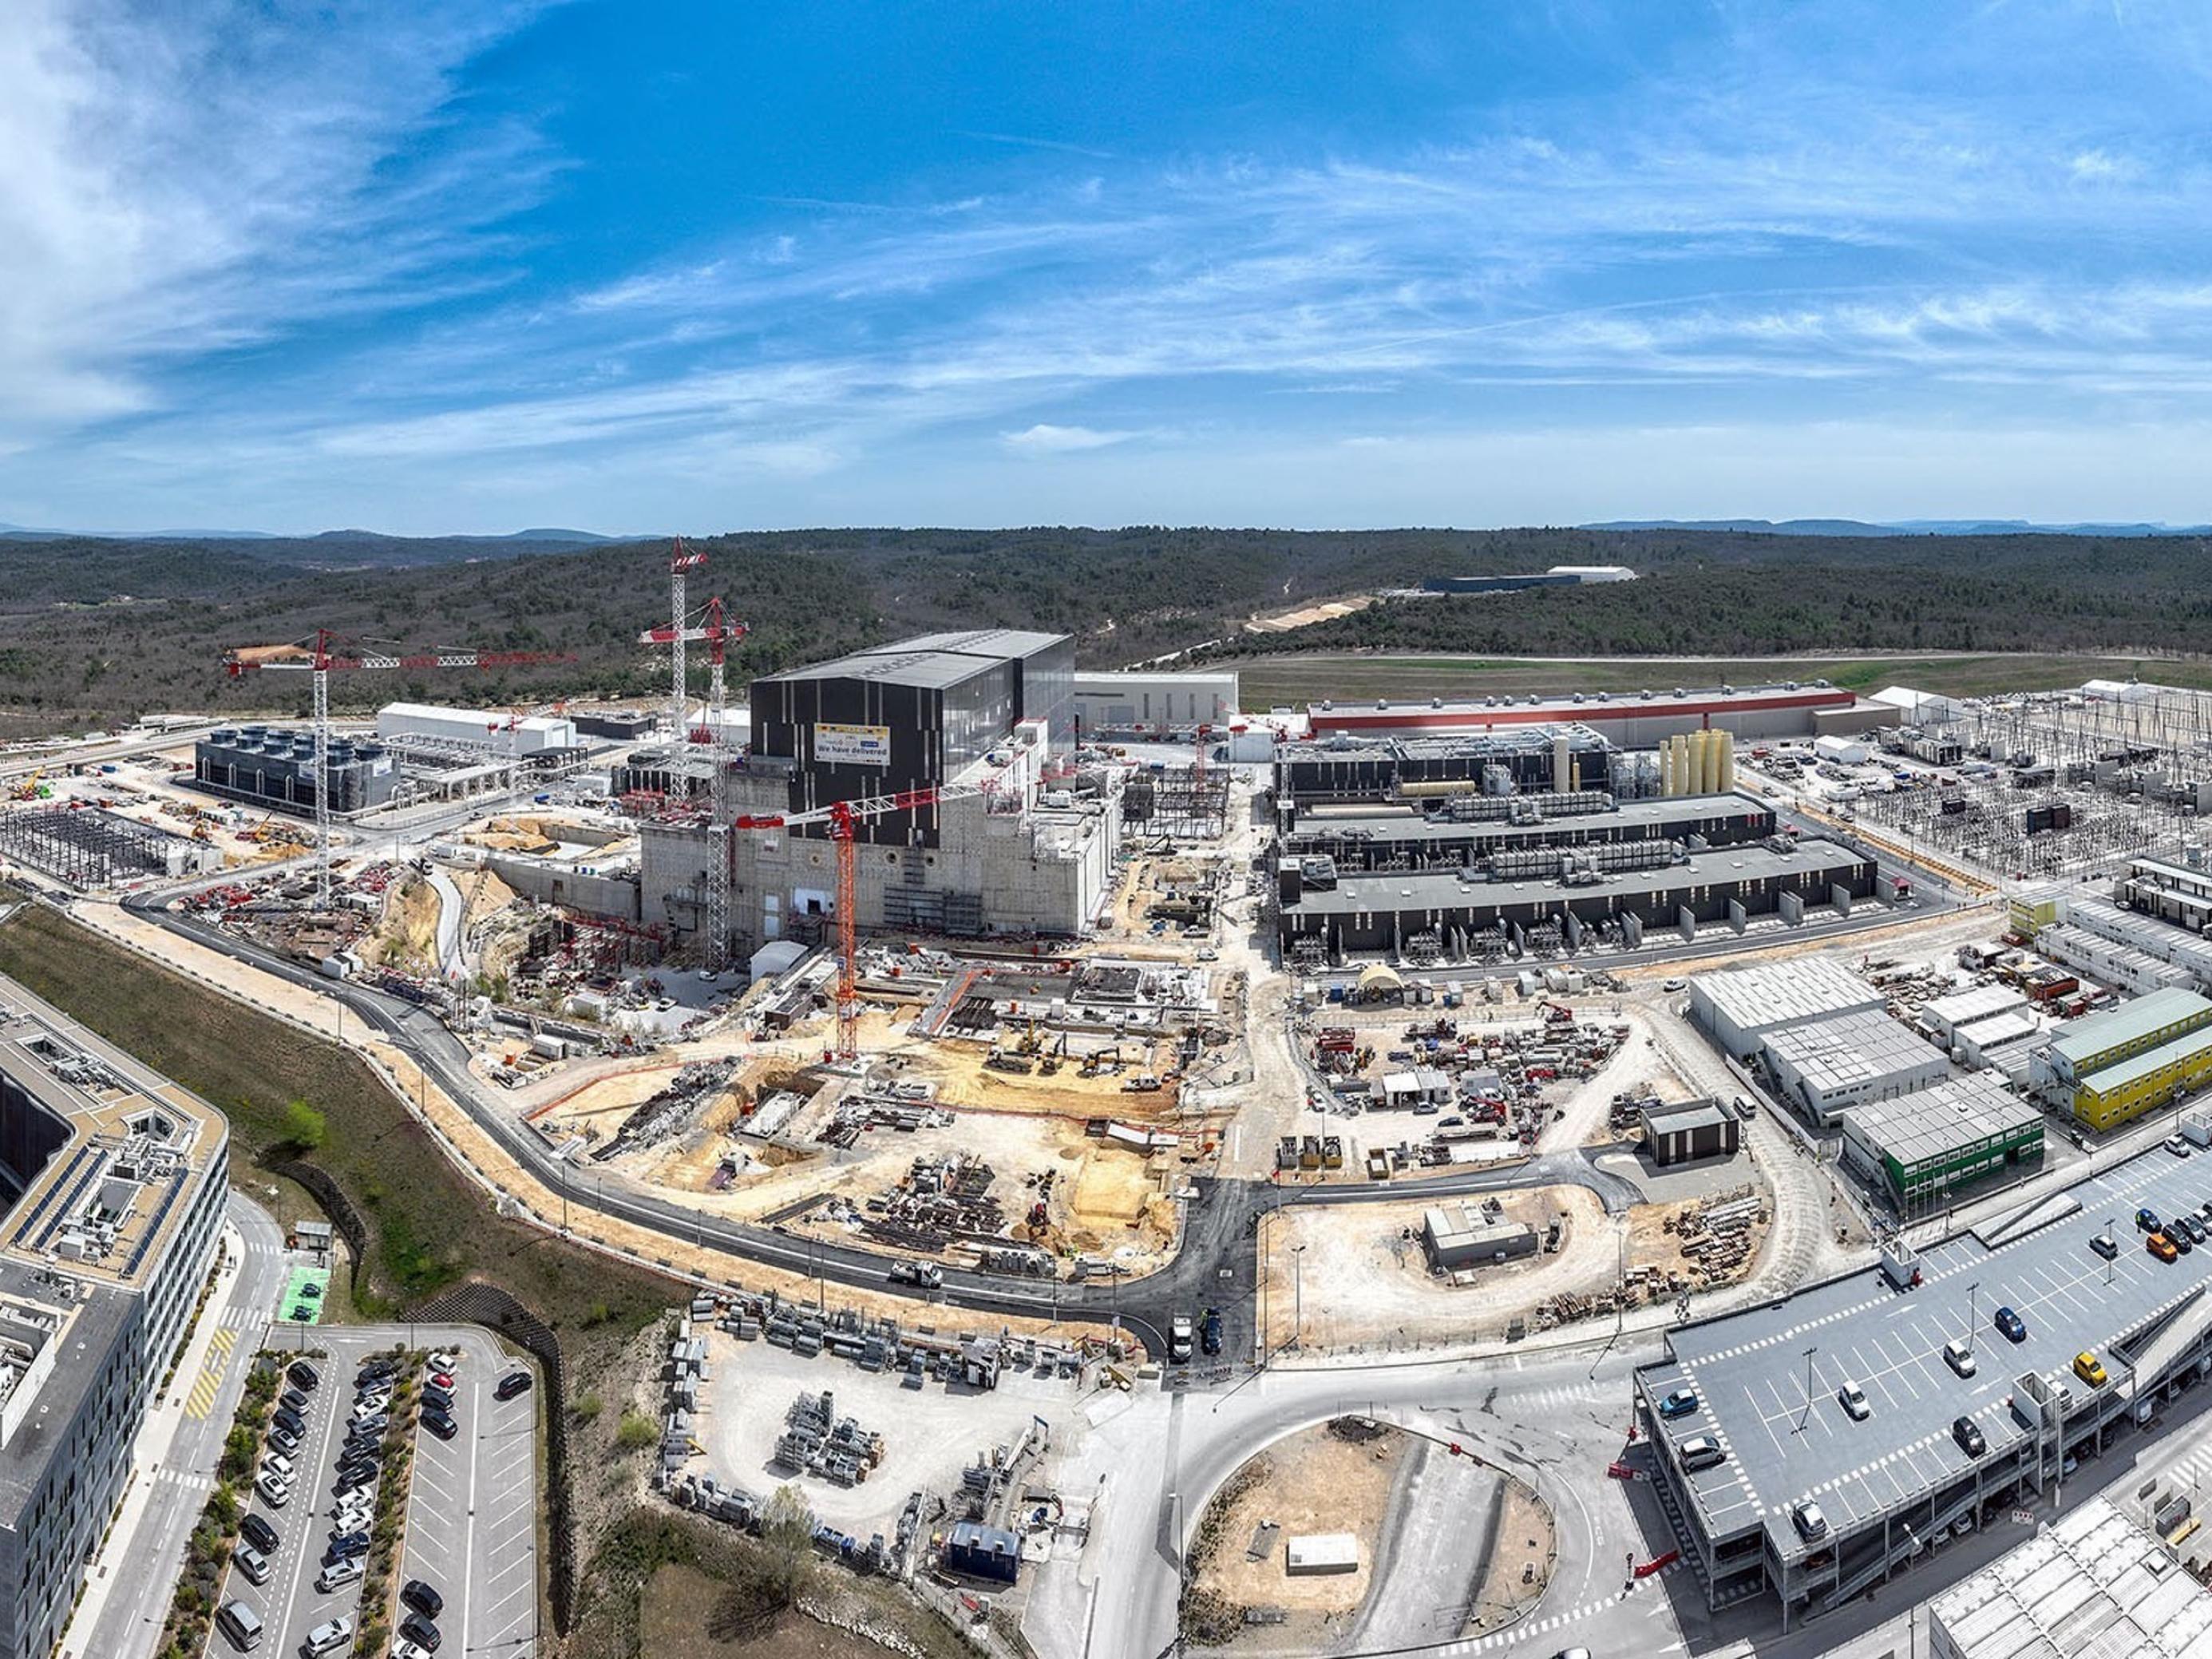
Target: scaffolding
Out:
[84,846]
[1184,802]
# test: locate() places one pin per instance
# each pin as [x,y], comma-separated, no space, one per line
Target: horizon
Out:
[456,268]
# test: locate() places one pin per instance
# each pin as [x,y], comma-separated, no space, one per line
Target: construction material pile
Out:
[816,1441]
[672,1111]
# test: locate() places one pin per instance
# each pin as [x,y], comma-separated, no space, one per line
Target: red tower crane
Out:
[322,662]
[843,818]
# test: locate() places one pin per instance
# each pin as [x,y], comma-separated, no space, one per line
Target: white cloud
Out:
[1043,439]
[187,180]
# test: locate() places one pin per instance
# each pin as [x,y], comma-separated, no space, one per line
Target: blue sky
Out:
[428,265]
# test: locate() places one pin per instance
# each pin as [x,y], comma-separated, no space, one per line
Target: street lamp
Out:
[1808,1417]
[1298,1296]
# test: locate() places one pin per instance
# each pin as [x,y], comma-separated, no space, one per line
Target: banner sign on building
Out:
[852,745]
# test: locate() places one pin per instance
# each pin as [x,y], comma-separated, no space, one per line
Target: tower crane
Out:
[717,632]
[843,818]
[320,660]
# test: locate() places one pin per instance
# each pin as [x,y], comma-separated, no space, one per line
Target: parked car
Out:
[290,1420]
[2013,1326]
[346,1569]
[1209,1333]
[1702,1452]
[2177,1145]
[274,1492]
[1811,1523]
[2197,1232]
[512,1384]
[2106,1245]
[1179,1339]
[1968,1434]
[258,1531]
[331,1635]
[422,1597]
[1680,1403]
[440,1424]
[284,1440]
[2161,1246]
[1959,1357]
[251,1562]
[420,1632]
[304,1375]
[2089,1369]
[1855,1403]
[2147,1220]
[295,1400]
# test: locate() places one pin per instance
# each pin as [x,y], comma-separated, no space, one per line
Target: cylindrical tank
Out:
[1728,762]
[1560,783]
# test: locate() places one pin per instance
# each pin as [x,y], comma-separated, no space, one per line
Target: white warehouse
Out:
[1140,700]
[487,728]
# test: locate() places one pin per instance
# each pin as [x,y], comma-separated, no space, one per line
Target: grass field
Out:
[1270,681]
[429,1227]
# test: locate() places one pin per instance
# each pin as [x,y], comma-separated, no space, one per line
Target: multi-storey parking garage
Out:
[2106,1330]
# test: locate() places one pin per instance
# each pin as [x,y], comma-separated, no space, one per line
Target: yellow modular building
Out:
[2118,1064]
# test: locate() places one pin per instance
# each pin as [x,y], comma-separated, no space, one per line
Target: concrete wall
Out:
[550,883]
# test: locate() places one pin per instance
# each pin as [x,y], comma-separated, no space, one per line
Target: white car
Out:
[2177,1145]
[444,1360]
[370,1406]
[1855,1401]
[339,1574]
[274,1492]
[331,1635]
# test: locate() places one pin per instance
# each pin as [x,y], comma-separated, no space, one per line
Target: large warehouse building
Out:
[1140,702]
[121,1179]
[482,728]
[1736,1473]
[992,706]
[1742,1005]
[1580,893]
[1468,828]
[1637,720]
[1822,1067]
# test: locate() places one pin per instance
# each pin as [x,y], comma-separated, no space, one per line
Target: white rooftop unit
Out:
[1743,1004]
[1322,1552]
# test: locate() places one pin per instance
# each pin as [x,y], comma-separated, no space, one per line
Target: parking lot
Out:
[1768,1379]
[472,1512]
[471,1509]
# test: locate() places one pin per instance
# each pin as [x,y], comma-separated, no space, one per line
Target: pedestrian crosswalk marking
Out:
[201,1400]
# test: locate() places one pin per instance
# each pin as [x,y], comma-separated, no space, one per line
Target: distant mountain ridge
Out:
[1901,527]
[22,532]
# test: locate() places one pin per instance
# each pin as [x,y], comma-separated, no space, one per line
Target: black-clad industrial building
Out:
[910,715]
[271,765]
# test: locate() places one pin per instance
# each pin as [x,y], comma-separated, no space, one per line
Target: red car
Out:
[443,1379]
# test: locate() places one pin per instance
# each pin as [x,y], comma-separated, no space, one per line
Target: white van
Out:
[241,1625]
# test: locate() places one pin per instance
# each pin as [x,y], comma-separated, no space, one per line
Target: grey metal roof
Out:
[1776,993]
[1859,1046]
[2094,1034]
[2091,1584]
[1948,1117]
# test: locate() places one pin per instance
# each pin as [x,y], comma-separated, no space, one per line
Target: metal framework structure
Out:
[843,818]
[85,848]
[717,632]
[322,662]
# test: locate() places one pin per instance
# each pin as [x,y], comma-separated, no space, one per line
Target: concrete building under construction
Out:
[1030,852]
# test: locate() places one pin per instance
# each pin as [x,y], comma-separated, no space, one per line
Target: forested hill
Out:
[94,630]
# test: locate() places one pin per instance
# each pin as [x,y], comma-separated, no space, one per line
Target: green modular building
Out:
[1936,1140]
